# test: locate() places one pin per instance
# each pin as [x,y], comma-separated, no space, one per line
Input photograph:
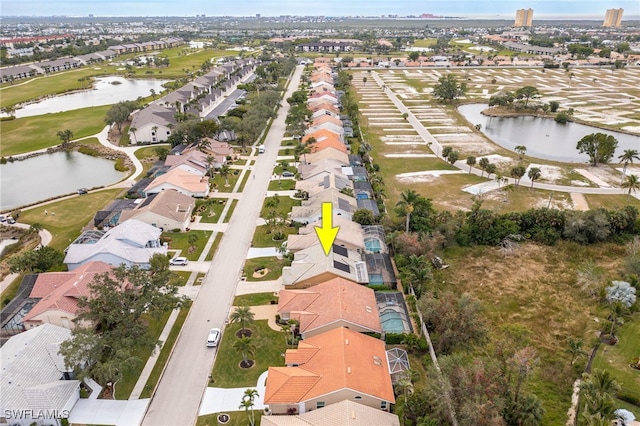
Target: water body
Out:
[543,137]
[45,176]
[104,92]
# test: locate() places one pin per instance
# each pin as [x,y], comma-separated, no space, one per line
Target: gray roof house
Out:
[34,378]
[152,124]
[131,243]
[311,209]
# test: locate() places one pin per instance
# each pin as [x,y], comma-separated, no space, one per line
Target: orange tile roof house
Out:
[340,364]
[59,293]
[343,413]
[331,304]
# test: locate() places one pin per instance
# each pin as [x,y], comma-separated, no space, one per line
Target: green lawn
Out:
[227,218]
[289,167]
[617,359]
[126,384]
[52,84]
[282,185]
[71,215]
[262,239]
[284,205]
[269,345]
[273,264]
[180,241]
[210,209]
[255,299]
[214,247]
[167,347]
[611,201]
[221,184]
[236,418]
[10,292]
[182,277]
[33,133]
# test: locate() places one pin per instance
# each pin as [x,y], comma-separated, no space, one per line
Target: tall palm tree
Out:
[627,157]
[224,172]
[632,184]
[247,403]
[246,347]
[210,160]
[534,174]
[243,315]
[133,131]
[407,203]
[471,161]
[598,389]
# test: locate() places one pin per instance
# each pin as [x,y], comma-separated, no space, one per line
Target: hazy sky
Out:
[499,8]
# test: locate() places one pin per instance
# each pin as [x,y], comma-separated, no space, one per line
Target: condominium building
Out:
[524,18]
[613,18]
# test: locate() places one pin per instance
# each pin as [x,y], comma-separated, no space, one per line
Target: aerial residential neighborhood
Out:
[333,214]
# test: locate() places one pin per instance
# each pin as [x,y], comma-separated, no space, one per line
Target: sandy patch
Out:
[401,138]
[498,159]
[548,173]
[409,155]
[429,173]
[634,129]
[579,201]
[601,176]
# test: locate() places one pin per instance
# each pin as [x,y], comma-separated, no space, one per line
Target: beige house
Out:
[166,210]
[311,209]
[338,365]
[182,181]
[312,266]
[331,304]
[350,236]
[343,413]
[58,294]
[321,182]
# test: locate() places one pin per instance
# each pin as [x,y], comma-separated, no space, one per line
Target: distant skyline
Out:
[502,9]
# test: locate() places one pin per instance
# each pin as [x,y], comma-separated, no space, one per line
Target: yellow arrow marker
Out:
[327,233]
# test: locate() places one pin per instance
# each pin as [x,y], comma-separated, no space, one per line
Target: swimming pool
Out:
[392,321]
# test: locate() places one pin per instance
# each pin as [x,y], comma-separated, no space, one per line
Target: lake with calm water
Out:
[543,137]
[104,92]
[45,176]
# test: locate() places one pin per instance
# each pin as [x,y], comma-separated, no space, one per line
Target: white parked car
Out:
[214,337]
[178,261]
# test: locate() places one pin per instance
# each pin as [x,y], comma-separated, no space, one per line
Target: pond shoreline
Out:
[507,113]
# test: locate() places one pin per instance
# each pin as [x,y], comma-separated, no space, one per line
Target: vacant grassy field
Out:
[536,288]
[611,201]
[33,133]
[269,345]
[71,216]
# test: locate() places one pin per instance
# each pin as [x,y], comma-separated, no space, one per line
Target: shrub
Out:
[394,338]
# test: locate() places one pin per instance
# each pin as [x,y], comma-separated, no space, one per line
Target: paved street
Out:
[177,399]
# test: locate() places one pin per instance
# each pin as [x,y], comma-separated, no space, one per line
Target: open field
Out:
[33,133]
[536,288]
[71,216]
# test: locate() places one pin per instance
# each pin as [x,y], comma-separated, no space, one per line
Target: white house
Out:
[130,243]
[36,388]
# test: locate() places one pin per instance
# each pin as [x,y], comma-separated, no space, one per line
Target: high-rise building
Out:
[524,18]
[613,18]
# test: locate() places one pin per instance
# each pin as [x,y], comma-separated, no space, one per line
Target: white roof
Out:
[133,240]
[32,371]
[343,413]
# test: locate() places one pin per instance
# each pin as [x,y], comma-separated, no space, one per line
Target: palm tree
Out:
[243,315]
[627,157]
[483,163]
[617,313]
[598,389]
[133,131]
[534,174]
[471,161]
[224,172]
[407,202]
[575,349]
[527,411]
[452,157]
[210,160]
[632,184]
[247,404]
[246,347]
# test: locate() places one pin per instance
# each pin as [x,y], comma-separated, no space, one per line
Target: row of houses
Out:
[336,365]
[153,124]
[19,72]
